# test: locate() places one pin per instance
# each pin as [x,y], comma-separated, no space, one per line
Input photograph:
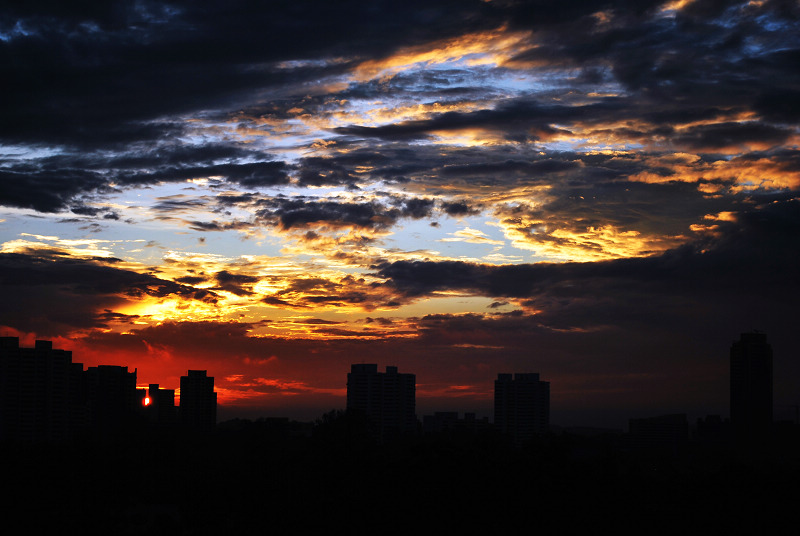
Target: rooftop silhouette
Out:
[276,469]
[45,396]
[751,387]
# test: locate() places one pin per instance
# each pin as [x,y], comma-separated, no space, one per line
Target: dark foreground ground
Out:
[259,478]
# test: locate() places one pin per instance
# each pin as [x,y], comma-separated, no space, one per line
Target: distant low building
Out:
[665,432]
[448,422]
[713,430]
[161,405]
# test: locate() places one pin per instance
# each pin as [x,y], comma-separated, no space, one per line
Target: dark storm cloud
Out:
[694,49]
[459,208]
[48,292]
[108,317]
[781,106]
[583,190]
[316,321]
[731,135]
[292,213]
[235,283]
[64,181]
[655,210]
[785,159]
[700,64]
[173,206]
[523,117]
[552,164]
[299,212]
[190,280]
[89,277]
[85,76]
[312,292]
[748,264]
[128,74]
[325,172]
[458,167]
[250,175]
[415,208]
[217,226]
[46,190]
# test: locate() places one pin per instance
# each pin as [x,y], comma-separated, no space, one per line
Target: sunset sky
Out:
[607,193]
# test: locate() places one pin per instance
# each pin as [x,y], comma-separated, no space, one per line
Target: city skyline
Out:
[41,375]
[159,468]
[605,193]
[46,397]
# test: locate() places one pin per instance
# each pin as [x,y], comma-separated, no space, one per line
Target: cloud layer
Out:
[593,190]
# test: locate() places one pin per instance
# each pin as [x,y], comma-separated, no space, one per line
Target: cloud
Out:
[637,161]
[134,69]
[235,283]
[46,190]
[299,212]
[459,208]
[50,292]
[721,136]
[746,262]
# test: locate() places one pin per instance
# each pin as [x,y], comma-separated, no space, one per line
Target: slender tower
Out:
[198,408]
[751,387]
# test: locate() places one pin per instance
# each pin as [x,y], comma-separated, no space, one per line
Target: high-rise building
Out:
[161,405]
[112,398]
[751,386]
[198,407]
[40,398]
[387,399]
[521,406]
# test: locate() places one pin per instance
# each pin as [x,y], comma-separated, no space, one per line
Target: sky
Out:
[606,193]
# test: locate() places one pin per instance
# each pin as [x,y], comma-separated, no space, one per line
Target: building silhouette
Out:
[448,422]
[161,405]
[45,397]
[113,401]
[713,430]
[665,432]
[198,409]
[387,399]
[40,392]
[521,406]
[751,387]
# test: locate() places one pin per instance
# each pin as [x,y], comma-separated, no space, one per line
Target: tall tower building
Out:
[388,399]
[40,397]
[521,406]
[751,386]
[112,397]
[198,408]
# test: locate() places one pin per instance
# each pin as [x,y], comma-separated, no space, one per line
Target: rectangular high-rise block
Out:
[751,386]
[387,399]
[521,406]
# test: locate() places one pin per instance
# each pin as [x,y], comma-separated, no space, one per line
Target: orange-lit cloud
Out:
[491,47]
